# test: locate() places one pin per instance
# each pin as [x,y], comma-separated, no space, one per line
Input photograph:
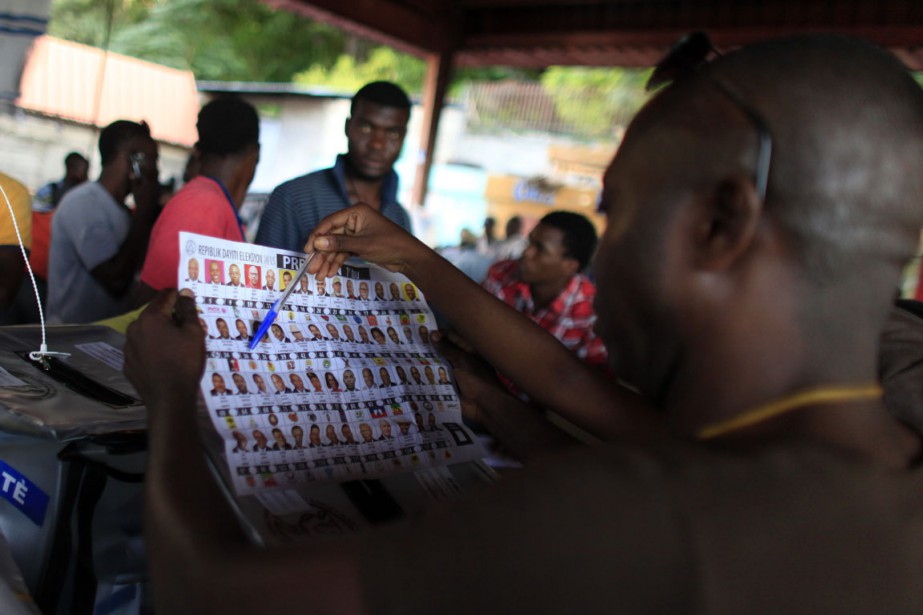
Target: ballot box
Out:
[73,451]
[72,455]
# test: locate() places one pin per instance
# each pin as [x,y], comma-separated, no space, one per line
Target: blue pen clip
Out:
[274,310]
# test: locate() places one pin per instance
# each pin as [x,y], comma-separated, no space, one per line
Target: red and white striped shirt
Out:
[569,317]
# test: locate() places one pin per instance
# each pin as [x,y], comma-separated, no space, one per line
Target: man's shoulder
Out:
[583,287]
[398,214]
[296,206]
[504,272]
[46,191]
[198,189]
[21,203]
[85,197]
[14,188]
[304,183]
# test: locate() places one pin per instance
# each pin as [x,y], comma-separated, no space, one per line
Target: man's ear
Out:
[346,125]
[727,223]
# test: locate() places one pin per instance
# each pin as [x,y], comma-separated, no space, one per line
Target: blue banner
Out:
[23,494]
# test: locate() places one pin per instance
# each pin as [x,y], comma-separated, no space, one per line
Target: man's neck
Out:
[545,293]
[362,189]
[116,186]
[227,172]
[710,385]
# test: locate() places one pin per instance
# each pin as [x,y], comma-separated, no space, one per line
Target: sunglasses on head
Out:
[688,55]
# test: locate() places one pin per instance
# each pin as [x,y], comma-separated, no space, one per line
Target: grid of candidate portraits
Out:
[346,383]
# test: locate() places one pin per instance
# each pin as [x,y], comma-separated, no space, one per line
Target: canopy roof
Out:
[539,33]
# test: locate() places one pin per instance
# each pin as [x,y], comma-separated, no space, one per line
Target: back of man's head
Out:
[227,125]
[848,134]
[846,123]
[382,93]
[116,135]
[513,227]
[74,160]
[579,235]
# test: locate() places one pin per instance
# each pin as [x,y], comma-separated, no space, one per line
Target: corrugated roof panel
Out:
[62,79]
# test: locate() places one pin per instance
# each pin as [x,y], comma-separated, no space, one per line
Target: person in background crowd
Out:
[97,242]
[375,134]
[14,287]
[43,206]
[75,173]
[515,243]
[547,283]
[228,150]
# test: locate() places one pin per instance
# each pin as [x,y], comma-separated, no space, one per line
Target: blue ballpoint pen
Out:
[274,310]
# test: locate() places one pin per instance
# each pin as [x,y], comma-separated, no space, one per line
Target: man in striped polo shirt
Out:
[365,174]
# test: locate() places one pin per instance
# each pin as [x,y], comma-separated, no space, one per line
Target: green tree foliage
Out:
[232,40]
[595,99]
[246,40]
[383,64]
[85,21]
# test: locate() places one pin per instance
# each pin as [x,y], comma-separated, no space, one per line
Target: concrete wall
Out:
[32,149]
[300,134]
[306,133]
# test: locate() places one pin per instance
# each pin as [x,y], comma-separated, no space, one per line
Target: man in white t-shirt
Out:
[97,243]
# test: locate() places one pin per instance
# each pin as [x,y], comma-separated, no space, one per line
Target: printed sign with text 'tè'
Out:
[23,493]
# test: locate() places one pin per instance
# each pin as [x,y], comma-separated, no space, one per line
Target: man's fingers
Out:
[326,265]
[344,242]
[353,224]
[163,303]
[184,311]
[347,220]
[456,356]
[470,410]
[461,342]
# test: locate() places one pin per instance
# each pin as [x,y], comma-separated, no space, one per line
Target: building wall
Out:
[300,134]
[32,149]
[305,134]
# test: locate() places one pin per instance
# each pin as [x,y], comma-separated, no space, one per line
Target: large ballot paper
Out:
[345,385]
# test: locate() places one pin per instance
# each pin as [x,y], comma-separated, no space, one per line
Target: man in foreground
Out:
[375,132]
[758,471]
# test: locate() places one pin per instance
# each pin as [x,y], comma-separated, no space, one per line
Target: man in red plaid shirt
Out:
[546,283]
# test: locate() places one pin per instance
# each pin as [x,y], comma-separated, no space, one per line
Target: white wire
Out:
[43,349]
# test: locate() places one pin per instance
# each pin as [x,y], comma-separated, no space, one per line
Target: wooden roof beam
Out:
[646,47]
[412,26]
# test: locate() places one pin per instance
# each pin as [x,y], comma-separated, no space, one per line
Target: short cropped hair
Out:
[227,125]
[74,158]
[513,226]
[382,93]
[114,136]
[579,235]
